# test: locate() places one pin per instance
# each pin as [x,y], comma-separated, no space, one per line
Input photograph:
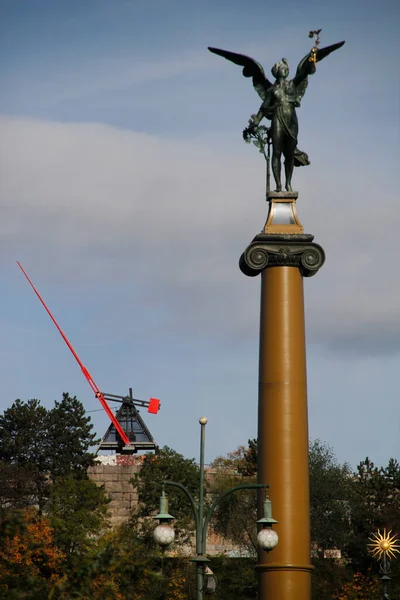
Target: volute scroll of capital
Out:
[312,260]
[258,256]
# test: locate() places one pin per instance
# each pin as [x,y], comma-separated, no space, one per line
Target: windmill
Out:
[127,432]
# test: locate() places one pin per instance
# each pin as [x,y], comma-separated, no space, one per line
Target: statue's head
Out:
[280,69]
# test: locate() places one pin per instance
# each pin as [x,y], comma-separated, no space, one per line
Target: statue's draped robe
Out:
[280,103]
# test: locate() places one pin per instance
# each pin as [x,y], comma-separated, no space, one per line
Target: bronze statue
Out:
[280,100]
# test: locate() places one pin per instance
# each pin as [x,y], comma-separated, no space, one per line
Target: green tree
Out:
[331,508]
[330,498]
[248,466]
[70,436]
[156,468]
[242,461]
[38,445]
[24,448]
[23,434]
[19,486]
[235,516]
[77,510]
[236,578]
[378,494]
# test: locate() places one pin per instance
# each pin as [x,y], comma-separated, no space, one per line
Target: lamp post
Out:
[384,546]
[164,534]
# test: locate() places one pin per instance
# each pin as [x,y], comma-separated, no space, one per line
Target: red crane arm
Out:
[85,372]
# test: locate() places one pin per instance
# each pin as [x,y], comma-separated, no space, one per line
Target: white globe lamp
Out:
[267,538]
[164,535]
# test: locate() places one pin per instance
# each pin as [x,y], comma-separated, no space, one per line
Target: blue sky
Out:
[128,195]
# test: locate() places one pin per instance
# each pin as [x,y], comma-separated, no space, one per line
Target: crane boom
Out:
[84,370]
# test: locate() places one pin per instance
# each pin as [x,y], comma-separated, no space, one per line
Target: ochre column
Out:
[285,573]
[283,254]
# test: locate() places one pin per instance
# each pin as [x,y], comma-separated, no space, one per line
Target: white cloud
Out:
[98,204]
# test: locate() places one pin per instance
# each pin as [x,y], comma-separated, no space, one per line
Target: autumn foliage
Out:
[28,553]
[361,587]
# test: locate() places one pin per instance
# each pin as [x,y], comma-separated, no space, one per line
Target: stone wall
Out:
[115,472]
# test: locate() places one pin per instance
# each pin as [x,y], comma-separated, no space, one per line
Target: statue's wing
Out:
[301,90]
[307,67]
[320,54]
[251,68]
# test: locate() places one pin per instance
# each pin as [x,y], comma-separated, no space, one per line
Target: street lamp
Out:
[164,534]
[209,581]
[267,537]
[384,547]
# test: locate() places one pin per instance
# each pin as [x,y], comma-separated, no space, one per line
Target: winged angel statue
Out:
[279,102]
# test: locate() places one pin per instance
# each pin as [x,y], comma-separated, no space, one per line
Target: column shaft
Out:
[285,573]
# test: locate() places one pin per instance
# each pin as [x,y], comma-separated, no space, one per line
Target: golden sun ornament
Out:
[384,544]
